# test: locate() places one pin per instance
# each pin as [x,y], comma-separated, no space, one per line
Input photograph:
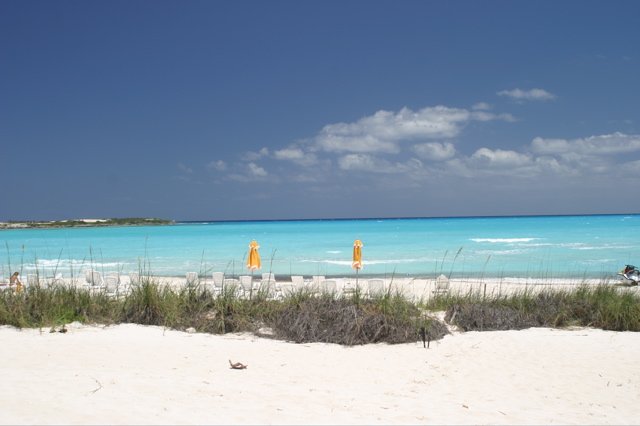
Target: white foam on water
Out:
[503,240]
[367,262]
[62,264]
[499,252]
[597,261]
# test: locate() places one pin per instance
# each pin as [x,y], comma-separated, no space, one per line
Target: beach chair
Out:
[269,289]
[246,284]
[56,280]
[350,286]
[268,276]
[376,287]
[232,285]
[218,281]
[192,278]
[88,275]
[287,288]
[316,280]
[328,287]
[298,282]
[442,285]
[94,279]
[112,284]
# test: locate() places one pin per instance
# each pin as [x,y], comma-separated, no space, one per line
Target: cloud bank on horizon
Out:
[417,145]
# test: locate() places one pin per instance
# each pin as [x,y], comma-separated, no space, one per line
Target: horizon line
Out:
[406,217]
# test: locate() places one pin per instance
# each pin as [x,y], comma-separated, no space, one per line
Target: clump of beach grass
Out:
[353,320]
[602,306]
[37,306]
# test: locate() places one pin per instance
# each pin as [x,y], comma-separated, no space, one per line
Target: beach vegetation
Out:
[304,316]
[604,306]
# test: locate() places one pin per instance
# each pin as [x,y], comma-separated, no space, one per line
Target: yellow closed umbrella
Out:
[357,257]
[253,262]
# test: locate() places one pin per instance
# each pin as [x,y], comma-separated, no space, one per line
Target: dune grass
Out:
[302,316]
[604,306]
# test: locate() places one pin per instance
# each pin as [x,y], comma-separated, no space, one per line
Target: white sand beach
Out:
[131,374]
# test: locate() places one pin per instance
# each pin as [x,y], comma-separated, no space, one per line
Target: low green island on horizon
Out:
[73,223]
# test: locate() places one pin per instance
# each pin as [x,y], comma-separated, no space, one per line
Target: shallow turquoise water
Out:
[530,246]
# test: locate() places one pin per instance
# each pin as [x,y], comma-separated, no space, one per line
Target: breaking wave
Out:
[503,240]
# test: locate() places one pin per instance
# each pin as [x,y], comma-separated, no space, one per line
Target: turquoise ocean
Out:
[525,246]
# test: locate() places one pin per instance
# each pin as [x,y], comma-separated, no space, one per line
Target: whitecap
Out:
[368,262]
[503,240]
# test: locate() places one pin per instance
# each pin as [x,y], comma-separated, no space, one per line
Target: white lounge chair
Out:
[269,288]
[316,280]
[218,281]
[232,285]
[192,278]
[376,287]
[112,284]
[287,288]
[298,282]
[56,280]
[88,276]
[94,279]
[328,287]
[270,276]
[442,285]
[246,283]
[350,286]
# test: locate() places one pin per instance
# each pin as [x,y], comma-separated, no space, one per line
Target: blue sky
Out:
[223,110]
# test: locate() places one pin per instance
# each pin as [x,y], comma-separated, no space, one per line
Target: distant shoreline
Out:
[347,219]
[73,223]
[84,223]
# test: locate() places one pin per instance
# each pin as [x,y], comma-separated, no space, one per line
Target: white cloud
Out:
[488,116]
[528,95]
[372,164]
[185,169]
[481,106]
[356,143]
[616,143]
[435,151]
[631,168]
[361,162]
[594,155]
[250,172]
[218,165]
[375,145]
[500,158]
[256,170]
[254,156]
[292,154]
[384,130]
[296,155]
